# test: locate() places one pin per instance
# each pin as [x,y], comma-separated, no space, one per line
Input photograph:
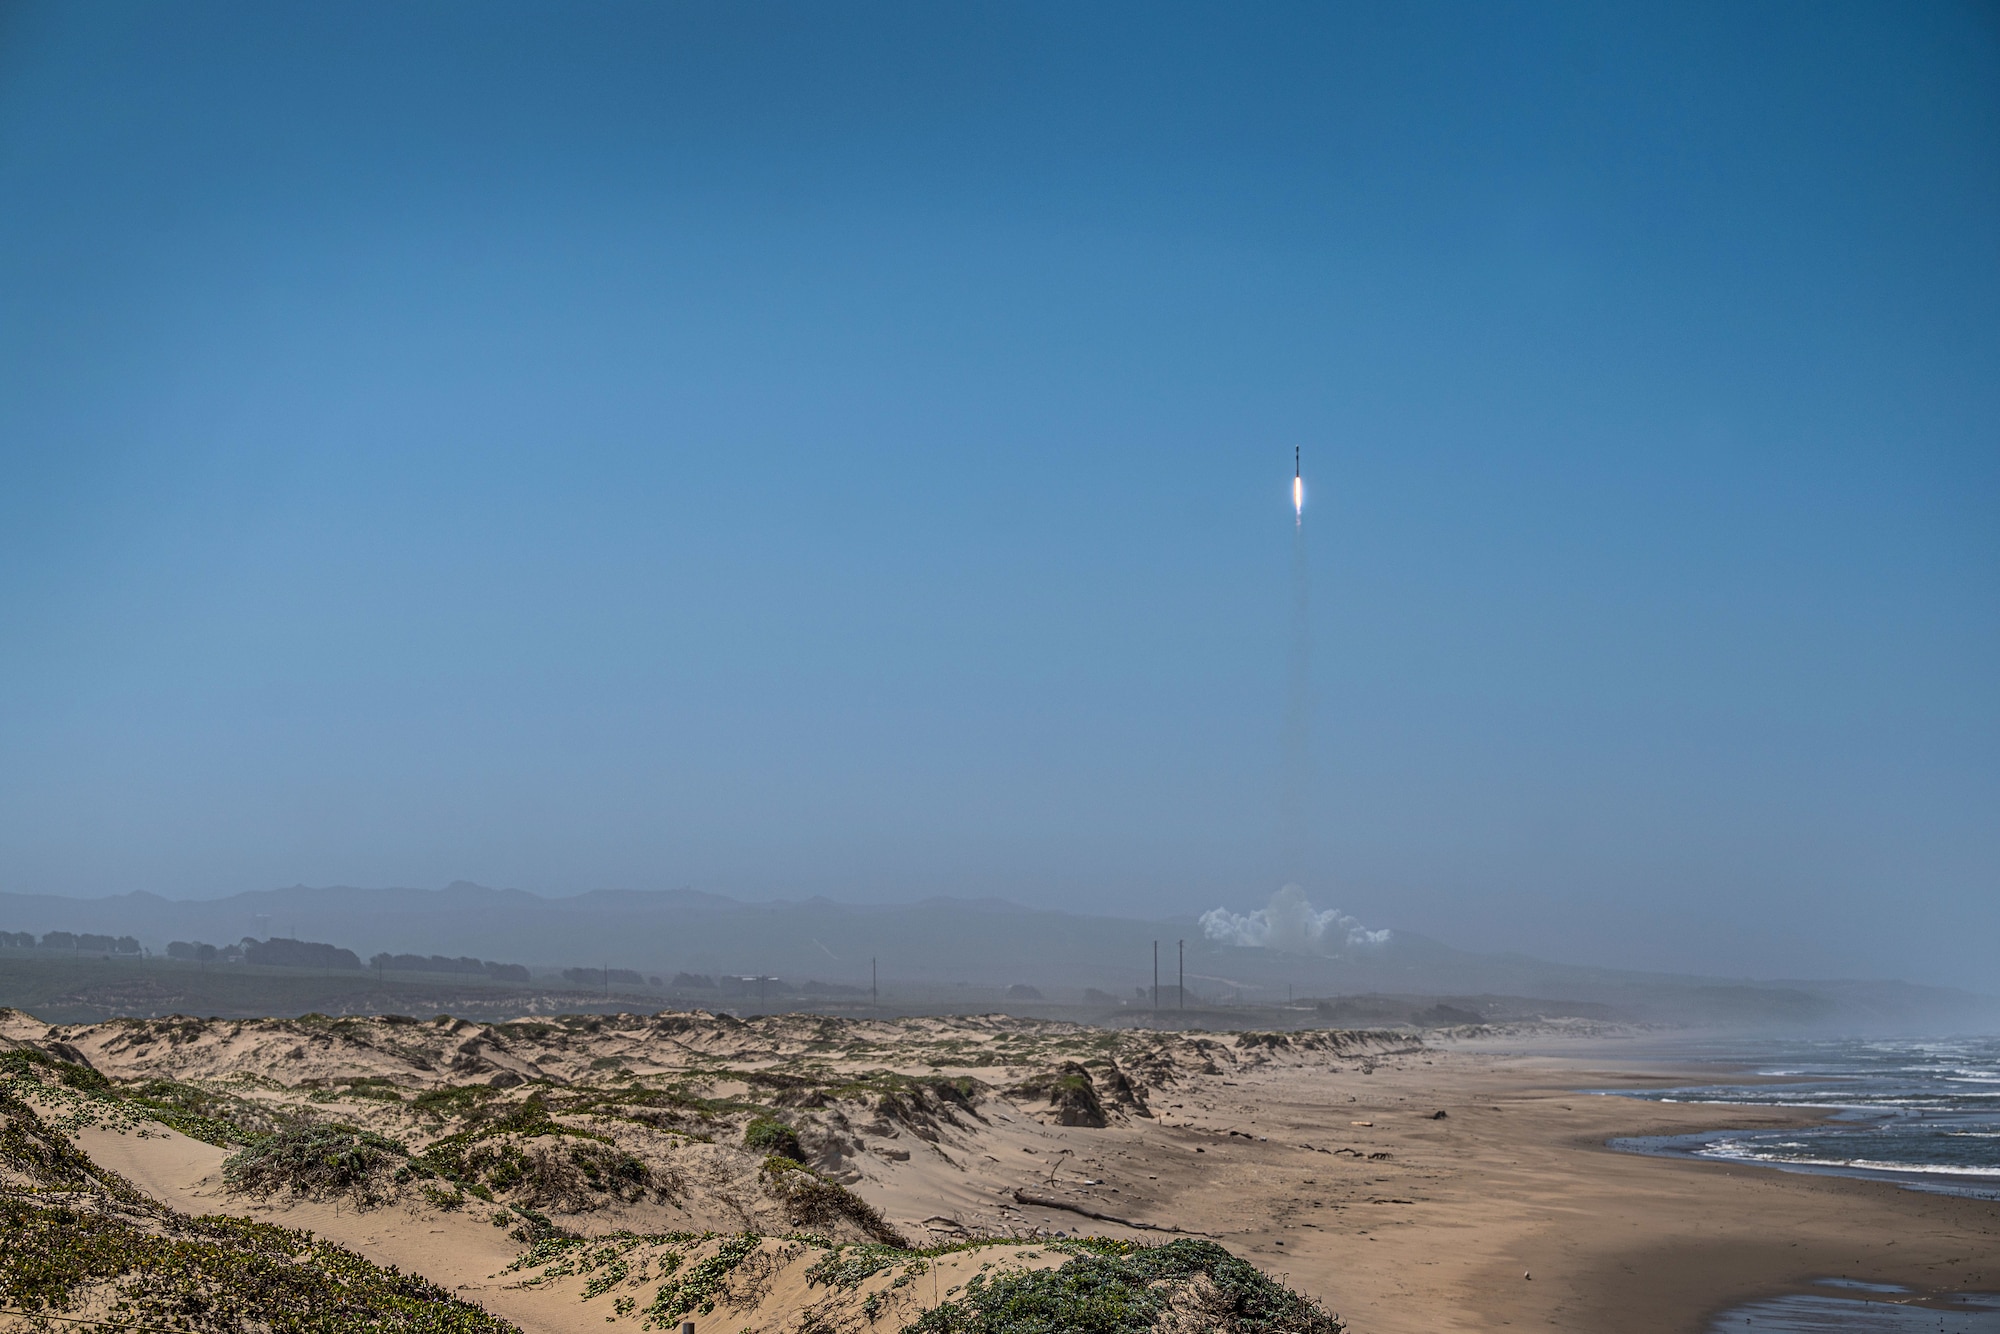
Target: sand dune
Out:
[1322,1158]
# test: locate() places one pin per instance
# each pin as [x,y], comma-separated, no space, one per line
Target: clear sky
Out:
[846,449]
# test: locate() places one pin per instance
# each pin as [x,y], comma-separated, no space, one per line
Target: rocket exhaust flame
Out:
[1292,821]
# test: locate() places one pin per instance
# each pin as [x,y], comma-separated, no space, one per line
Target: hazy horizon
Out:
[789,452]
[1280,936]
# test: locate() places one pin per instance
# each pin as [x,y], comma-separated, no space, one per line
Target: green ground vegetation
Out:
[81,1241]
[694,1290]
[1103,1286]
[1129,1290]
[525,1145]
[768,1135]
[319,1161]
[812,1201]
[211,1274]
[499,1154]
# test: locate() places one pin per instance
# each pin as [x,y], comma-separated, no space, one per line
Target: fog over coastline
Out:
[953,954]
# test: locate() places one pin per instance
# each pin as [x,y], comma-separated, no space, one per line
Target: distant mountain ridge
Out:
[945,941]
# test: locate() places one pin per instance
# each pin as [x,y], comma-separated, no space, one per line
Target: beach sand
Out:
[1327,1167]
[1510,1211]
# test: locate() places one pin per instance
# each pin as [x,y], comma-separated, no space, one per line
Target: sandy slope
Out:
[1516,1181]
[1323,1164]
[453,1250]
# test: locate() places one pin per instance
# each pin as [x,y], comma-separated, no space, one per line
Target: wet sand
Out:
[1511,1211]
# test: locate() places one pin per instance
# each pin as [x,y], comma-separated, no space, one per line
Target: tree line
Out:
[277,951]
[82,942]
[437,963]
[284,952]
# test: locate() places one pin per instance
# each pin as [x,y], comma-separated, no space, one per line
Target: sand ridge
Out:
[1320,1157]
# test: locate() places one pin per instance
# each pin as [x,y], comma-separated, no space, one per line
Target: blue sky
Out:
[792,449]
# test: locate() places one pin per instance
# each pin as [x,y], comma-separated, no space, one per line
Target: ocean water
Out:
[1863,1308]
[1924,1113]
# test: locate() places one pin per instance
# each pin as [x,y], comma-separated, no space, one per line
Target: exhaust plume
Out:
[1290,923]
[1297,776]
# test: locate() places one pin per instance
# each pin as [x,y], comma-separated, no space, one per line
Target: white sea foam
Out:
[1931,1117]
[1869,1165]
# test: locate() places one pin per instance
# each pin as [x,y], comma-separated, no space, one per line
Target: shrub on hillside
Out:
[766,1134]
[76,1074]
[1185,1284]
[810,1200]
[317,1161]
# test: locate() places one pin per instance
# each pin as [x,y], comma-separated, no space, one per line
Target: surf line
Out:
[1051,1202]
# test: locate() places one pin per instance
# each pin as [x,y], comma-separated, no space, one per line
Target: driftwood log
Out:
[1051,1202]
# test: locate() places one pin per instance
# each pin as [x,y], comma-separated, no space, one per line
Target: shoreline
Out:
[1412,1189]
[1527,1183]
[1850,1123]
[1913,1272]
[1682,1148]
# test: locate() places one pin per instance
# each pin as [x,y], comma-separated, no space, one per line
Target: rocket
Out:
[1298,487]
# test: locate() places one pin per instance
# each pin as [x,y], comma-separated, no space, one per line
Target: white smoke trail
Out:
[1297,778]
[1290,923]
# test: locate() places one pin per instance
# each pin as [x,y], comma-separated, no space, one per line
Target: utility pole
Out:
[1180,987]
[874,999]
[1156,979]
